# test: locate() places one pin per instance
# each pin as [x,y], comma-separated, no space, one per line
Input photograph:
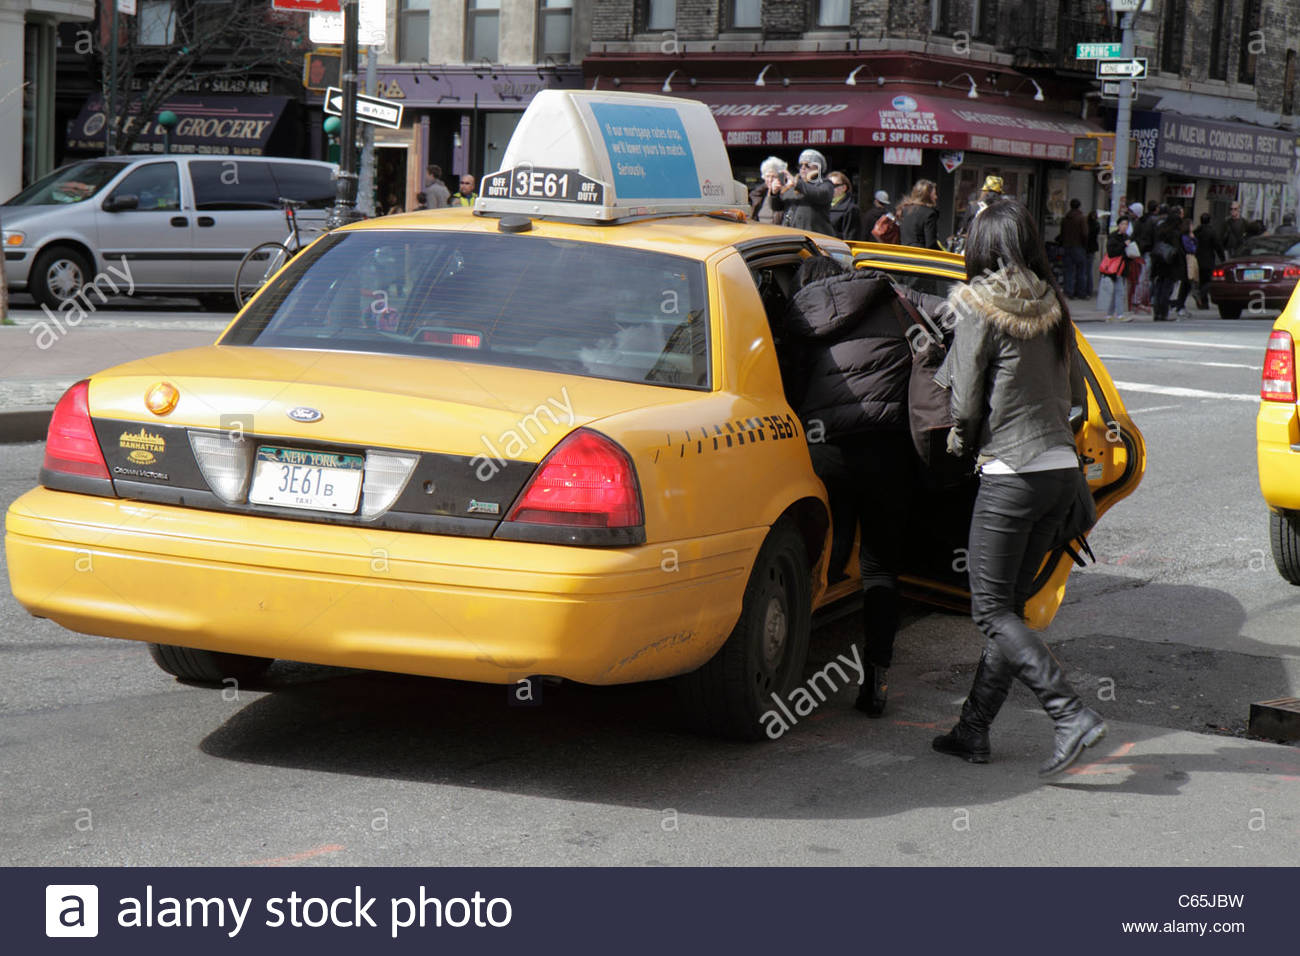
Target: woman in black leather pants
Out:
[1013,374]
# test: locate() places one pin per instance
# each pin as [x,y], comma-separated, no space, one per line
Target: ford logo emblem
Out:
[304,414]
[904,103]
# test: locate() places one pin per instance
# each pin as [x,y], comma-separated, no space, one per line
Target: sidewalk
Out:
[32,378]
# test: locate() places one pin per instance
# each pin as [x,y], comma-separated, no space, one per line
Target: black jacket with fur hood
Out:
[1011,388]
[852,361]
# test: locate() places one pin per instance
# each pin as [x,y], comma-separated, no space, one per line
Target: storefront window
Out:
[1218,66]
[1171,50]
[1288,84]
[556,25]
[833,13]
[746,14]
[661,14]
[413,31]
[157,23]
[482,24]
[1251,42]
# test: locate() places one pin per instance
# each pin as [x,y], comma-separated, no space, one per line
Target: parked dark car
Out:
[1261,276]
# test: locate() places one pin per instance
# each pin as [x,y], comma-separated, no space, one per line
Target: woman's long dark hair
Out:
[1005,236]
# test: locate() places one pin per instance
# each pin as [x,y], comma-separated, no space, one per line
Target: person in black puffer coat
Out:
[851,372]
[1166,273]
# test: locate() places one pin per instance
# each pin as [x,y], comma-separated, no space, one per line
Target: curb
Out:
[27,425]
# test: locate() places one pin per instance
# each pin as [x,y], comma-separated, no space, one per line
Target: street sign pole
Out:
[110,132]
[1123,125]
[366,186]
[345,196]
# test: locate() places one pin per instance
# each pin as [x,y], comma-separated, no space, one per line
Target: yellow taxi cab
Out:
[1277,441]
[546,436]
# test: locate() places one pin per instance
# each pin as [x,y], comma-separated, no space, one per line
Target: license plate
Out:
[1252,275]
[312,480]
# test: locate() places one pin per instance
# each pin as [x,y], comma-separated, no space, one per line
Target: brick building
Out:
[952,90]
[465,70]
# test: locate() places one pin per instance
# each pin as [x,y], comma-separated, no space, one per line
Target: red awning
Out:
[880,118]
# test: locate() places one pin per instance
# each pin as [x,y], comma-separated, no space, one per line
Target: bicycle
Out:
[267,258]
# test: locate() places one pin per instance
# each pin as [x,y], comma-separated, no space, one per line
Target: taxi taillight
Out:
[1217,274]
[1291,272]
[71,447]
[587,481]
[1278,381]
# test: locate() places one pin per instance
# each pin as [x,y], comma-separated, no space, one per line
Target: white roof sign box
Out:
[586,154]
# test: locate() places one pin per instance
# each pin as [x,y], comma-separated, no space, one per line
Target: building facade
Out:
[464,71]
[953,90]
[1218,120]
[27,86]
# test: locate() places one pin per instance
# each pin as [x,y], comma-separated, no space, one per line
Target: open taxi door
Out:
[1109,443]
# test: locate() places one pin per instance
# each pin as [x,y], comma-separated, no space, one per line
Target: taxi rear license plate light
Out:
[310,480]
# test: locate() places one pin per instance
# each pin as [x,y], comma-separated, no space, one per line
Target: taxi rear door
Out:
[1111,445]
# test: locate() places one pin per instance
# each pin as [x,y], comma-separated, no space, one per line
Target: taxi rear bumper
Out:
[459,608]
[1277,442]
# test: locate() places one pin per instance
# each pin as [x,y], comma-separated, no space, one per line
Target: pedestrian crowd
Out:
[1152,261]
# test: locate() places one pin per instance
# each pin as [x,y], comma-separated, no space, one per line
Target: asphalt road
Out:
[1178,628]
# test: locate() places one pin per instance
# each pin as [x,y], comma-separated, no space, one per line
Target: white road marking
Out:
[1140,358]
[1154,408]
[1192,343]
[1182,392]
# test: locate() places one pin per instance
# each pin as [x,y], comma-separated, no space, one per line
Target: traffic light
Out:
[322,68]
[1093,150]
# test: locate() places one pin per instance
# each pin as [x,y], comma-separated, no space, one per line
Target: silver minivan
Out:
[173,224]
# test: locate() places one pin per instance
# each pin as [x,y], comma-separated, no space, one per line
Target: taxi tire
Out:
[728,696]
[1229,312]
[1285,539]
[207,667]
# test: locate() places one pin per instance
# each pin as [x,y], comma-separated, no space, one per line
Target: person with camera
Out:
[773,170]
[806,199]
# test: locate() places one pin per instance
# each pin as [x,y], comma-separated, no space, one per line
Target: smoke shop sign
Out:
[1204,149]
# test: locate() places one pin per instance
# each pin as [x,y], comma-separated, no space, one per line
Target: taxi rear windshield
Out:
[518,301]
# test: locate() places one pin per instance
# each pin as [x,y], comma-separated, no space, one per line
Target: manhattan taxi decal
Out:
[734,434]
[142,447]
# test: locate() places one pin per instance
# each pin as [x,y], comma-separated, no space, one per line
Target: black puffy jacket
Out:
[852,361]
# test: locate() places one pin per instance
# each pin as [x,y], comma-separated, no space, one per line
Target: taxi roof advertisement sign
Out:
[649,151]
[608,155]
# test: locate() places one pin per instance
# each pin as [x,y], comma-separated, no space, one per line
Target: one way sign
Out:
[370,109]
[1131,69]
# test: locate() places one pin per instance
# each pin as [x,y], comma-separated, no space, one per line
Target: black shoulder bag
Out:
[929,415]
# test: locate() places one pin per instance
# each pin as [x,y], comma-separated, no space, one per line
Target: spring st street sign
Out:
[1097,51]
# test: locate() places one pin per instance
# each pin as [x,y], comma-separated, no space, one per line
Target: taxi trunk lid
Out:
[444,446]
[369,399]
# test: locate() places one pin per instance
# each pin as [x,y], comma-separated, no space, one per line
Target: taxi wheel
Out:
[207,667]
[765,654]
[1229,312]
[1285,538]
